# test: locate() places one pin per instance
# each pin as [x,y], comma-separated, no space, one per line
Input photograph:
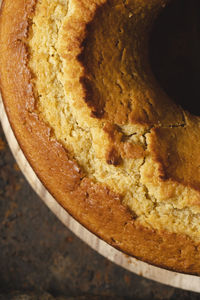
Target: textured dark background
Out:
[39,257]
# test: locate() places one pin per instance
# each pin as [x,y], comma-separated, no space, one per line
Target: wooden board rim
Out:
[178,280]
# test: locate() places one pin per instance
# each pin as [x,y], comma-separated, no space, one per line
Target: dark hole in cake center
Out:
[175,53]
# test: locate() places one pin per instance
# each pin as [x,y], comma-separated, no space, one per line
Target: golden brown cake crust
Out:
[94,205]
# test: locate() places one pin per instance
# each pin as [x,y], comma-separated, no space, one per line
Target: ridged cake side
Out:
[94,204]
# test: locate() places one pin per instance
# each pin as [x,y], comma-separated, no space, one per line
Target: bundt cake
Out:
[104,138]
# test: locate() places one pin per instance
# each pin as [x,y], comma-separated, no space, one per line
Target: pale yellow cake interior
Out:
[84,135]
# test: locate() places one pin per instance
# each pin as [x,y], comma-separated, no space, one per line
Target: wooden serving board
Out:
[187,282]
[178,280]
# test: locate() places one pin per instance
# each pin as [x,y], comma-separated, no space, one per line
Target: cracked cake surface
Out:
[105,140]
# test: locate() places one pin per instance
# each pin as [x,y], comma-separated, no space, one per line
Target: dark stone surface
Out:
[174,52]
[39,257]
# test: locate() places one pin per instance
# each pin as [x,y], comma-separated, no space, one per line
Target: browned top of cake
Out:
[103,137]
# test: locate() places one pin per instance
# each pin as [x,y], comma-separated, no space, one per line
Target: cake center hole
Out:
[174,53]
